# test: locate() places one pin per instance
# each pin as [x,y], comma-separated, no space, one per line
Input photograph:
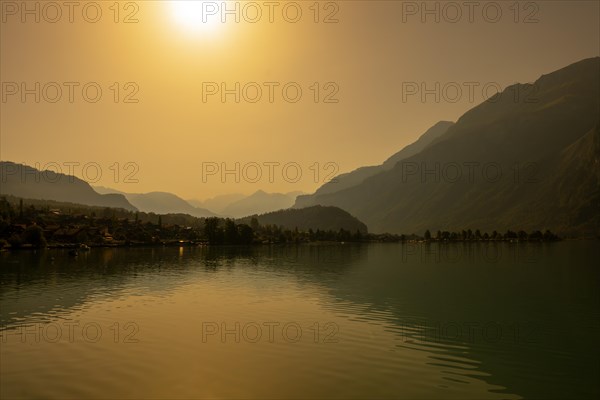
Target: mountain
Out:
[527,158]
[166,203]
[350,179]
[217,203]
[27,182]
[259,202]
[107,190]
[160,203]
[576,182]
[315,217]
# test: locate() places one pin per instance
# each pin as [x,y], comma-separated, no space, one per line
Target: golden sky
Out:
[364,58]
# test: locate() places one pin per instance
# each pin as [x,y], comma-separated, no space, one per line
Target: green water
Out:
[328,321]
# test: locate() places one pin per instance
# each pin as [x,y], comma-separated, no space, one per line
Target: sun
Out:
[196,15]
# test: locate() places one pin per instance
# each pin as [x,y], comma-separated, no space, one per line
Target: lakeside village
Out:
[33,224]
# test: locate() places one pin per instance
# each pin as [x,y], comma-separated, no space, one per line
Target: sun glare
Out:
[197,16]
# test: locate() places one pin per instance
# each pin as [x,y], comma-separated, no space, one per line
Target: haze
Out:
[175,128]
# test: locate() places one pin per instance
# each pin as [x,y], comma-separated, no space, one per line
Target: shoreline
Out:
[83,247]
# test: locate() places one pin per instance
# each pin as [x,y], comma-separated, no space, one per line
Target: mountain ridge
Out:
[27,182]
[260,202]
[347,180]
[160,202]
[525,136]
[324,218]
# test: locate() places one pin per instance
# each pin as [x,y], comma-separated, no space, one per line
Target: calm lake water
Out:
[309,321]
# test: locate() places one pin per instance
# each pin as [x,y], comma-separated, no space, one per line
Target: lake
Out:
[480,320]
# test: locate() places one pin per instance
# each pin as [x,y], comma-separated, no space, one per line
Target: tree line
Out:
[40,223]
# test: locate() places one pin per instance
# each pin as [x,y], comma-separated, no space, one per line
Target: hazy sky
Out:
[367,57]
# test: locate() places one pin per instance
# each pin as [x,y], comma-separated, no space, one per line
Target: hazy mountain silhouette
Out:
[259,202]
[217,203]
[315,217]
[345,181]
[538,145]
[27,182]
[160,203]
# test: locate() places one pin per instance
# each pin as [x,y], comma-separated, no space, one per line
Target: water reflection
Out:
[494,320]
